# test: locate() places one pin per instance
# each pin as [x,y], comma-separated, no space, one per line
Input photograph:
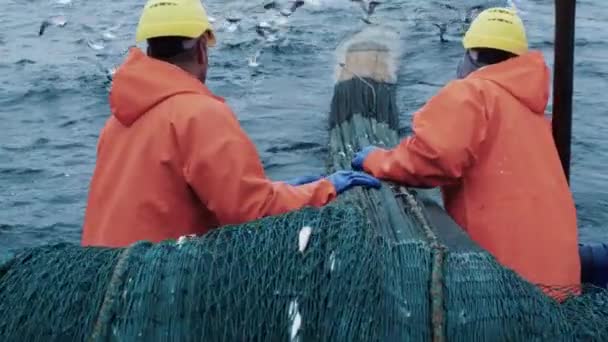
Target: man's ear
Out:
[202,51]
[199,52]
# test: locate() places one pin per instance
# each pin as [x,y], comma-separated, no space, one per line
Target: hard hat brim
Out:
[481,41]
[187,29]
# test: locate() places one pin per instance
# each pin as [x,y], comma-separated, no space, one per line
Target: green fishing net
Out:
[262,281]
[270,280]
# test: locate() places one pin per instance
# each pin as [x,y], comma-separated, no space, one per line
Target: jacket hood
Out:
[142,82]
[526,77]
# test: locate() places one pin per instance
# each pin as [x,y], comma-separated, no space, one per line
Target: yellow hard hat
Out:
[497,28]
[183,18]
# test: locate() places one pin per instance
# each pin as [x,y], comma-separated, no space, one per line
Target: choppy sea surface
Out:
[54,90]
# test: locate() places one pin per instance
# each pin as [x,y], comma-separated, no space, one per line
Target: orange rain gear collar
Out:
[142,82]
[526,77]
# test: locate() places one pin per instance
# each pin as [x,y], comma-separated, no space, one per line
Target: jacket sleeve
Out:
[448,132]
[222,166]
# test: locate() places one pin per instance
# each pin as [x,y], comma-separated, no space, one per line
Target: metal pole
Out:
[563,79]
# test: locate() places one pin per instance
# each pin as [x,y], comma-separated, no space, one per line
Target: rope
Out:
[109,299]
[375,104]
[438,252]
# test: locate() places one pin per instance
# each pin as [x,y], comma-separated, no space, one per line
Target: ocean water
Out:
[54,88]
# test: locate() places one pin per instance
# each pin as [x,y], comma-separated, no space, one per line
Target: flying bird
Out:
[260,31]
[233,20]
[368,8]
[294,6]
[58,21]
[472,13]
[271,5]
[442,29]
[266,31]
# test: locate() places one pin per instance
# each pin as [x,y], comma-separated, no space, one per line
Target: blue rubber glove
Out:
[303,180]
[359,159]
[344,180]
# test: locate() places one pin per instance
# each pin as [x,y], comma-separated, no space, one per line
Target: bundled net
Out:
[379,265]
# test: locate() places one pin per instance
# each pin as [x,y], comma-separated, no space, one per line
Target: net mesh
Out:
[251,282]
[379,265]
[350,282]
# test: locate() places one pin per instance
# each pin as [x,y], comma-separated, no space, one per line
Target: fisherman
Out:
[172,159]
[485,140]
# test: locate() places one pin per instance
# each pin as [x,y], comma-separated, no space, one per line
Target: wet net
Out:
[262,281]
[272,280]
[377,265]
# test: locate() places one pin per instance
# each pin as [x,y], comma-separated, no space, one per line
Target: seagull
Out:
[294,6]
[270,5]
[286,12]
[263,28]
[233,23]
[43,27]
[472,13]
[368,8]
[109,35]
[110,73]
[442,29]
[260,31]
[462,20]
[95,45]
[448,6]
[58,21]
[233,20]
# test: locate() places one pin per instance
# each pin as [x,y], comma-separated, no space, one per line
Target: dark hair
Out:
[487,56]
[170,49]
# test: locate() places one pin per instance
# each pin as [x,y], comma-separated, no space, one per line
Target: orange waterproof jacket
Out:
[172,160]
[486,142]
